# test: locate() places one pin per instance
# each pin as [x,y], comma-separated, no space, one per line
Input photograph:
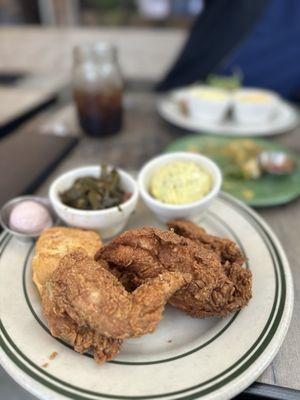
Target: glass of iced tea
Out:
[97,88]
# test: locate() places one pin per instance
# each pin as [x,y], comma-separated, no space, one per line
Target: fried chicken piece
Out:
[82,338]
[226,249]
[147,252]
[56,242]
[91,296]
[229,253]
[53,244]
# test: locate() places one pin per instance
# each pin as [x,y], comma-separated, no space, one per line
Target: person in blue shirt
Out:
[260,38]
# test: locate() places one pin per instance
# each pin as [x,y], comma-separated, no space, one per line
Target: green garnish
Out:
[225,82]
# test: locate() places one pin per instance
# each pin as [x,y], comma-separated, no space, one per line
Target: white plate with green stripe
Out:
[185,358]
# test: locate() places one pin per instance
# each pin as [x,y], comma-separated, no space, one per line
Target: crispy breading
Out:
[91,296]
[147,252]
[226,249]
[53,244]
[82,338]
[56,242]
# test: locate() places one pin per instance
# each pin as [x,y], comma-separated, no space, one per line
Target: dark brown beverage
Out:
[97,88]
[99,113]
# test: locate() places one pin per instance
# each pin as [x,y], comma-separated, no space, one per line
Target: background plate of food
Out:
[185,357]
[242,176]
[238,112]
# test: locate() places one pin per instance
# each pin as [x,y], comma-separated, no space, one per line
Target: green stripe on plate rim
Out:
[241,365]
[198,348]
[4,237]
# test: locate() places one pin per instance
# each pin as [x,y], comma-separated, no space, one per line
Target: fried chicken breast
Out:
[85,293]
[145,253]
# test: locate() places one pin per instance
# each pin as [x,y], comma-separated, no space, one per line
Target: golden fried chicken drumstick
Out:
[91,296]
[144,253]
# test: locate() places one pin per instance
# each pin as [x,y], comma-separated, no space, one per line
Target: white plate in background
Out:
[285,119]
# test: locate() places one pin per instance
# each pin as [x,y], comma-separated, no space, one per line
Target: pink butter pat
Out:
[29,217]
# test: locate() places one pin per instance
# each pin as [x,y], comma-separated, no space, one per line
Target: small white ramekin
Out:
[251,112]
[193,211]
[108,222]
[207,109]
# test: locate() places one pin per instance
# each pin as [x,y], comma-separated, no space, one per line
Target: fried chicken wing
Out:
[56,242]
[53,244]
[226,249]
[144,253]
[91,296]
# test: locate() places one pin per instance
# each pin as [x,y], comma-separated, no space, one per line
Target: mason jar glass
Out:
[97,88]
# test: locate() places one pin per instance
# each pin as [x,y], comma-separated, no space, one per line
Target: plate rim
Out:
[226,131]
[235,385]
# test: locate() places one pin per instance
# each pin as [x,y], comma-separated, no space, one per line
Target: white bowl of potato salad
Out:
[179,185]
